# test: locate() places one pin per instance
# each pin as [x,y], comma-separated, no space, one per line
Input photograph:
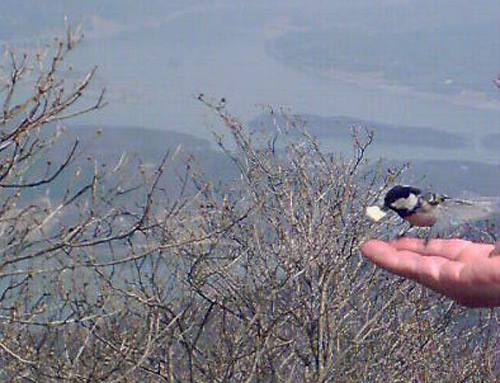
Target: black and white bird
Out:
[435,211]
[427,209]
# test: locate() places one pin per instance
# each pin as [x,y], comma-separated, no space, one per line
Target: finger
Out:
[383,254]
[405,263]
[379,252]
[449,248]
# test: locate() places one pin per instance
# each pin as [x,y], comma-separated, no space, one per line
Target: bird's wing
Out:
[459,211]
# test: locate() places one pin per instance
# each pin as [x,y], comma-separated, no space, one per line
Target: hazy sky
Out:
[421,62]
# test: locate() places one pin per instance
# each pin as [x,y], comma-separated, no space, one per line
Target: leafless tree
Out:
[257,280]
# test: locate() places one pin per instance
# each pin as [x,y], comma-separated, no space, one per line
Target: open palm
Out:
[459,269]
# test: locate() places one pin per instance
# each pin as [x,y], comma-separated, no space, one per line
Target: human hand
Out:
[459,269]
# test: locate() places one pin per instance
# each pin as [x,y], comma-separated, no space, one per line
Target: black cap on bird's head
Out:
[402,199]
[399,191]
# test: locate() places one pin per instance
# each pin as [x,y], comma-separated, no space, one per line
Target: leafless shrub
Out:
[258,280]
[296,301]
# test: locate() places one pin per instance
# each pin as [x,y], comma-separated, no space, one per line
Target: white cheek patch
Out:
[407,203]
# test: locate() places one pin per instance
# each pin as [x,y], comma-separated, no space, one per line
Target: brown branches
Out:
[131,272]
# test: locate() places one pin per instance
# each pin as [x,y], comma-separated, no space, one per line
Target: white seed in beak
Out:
[375,213]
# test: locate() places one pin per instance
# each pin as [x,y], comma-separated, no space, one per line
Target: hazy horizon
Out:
[415,63]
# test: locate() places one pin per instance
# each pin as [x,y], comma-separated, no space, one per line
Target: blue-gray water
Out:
[153,70]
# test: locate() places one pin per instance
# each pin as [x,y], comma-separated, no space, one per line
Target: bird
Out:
[432,210]
[412,205]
